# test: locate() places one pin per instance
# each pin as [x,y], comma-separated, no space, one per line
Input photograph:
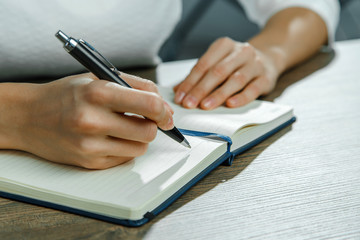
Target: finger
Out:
[110,152]
[140,83]
[217,51]
[130,128]
[218,74]
[251,92]
[102,162]
[145,85]
[103,122]
[95,147]
[133,81]
[87,77]
[112,161]
[235,83]
[124,148]
[121,99]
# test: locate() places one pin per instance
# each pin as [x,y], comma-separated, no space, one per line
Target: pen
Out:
[83,52]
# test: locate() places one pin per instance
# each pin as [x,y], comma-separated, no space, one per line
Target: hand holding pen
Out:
[79,120]
[103,69]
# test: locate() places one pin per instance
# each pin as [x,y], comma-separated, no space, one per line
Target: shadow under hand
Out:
[299,72]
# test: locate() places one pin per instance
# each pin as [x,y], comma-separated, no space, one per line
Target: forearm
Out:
[15,101]
[291,36]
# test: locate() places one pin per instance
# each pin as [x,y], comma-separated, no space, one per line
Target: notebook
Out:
[133,193]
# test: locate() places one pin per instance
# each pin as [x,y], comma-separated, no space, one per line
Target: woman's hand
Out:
[230,73]
[79,120]
[234,73]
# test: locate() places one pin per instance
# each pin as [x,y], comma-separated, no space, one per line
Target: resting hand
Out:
[79,120]
[230,73]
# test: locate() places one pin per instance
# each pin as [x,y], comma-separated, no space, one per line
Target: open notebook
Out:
[133,193]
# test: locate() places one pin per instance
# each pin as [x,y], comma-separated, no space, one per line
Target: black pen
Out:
[82,51]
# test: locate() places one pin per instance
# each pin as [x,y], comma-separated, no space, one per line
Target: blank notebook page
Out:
[224,120]
[131,184]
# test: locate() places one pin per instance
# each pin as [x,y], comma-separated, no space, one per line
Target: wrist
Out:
[15,103]
[274,56]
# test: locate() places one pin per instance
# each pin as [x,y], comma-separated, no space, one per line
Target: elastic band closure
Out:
[207,135]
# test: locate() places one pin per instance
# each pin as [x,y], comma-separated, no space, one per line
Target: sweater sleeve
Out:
[260,11]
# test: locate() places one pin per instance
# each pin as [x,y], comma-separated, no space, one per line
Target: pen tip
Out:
[185,143]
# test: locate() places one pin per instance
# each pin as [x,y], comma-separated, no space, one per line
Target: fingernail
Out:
[232,102]
[190,102]
[179,97]
[209,103]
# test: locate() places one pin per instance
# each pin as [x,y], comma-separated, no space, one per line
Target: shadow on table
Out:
[297,73]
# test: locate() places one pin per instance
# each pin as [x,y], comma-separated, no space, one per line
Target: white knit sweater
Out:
[127,32]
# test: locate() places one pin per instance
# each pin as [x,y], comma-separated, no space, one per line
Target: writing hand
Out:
[230,73]
[79,120]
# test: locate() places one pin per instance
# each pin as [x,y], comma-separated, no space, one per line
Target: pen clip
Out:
[105,61]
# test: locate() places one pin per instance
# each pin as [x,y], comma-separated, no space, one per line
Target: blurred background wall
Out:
[204,21]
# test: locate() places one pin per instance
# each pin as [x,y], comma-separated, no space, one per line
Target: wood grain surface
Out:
[301,183]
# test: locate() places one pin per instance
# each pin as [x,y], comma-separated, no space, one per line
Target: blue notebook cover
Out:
[226,159]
